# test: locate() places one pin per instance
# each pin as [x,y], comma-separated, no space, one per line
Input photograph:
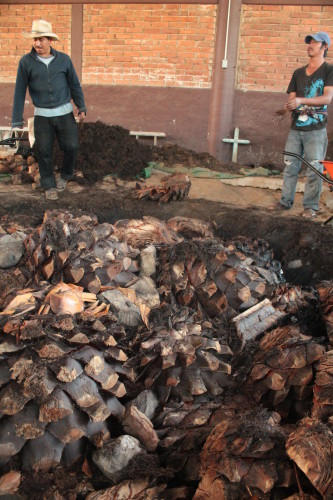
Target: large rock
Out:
[148,261]
[127,313]
[146,292]
[11,249]
[115,455]
[146,402]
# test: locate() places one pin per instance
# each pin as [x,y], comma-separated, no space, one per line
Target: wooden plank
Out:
[140,133]
[147,134]
[256,320]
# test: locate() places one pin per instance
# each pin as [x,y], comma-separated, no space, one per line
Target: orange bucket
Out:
[328,168]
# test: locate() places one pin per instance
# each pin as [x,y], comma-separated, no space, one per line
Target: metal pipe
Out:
[225,60]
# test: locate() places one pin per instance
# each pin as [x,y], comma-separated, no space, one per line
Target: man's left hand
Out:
[293,103]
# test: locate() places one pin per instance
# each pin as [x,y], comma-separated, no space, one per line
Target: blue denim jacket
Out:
[49,86]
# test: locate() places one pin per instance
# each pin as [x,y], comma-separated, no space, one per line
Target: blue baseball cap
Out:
[321,36]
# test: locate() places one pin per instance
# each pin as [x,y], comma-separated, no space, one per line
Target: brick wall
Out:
[161,45]
[271,44]
[16,19]
[169,45]
[151,45]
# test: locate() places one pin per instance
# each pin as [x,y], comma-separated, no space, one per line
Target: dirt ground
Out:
[110,164]
[235,211]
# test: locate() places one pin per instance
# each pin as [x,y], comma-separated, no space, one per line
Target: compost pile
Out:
[111,150]
[152,359]
[172,155]
[104,150]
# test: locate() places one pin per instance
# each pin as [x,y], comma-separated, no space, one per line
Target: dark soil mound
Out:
[171,155]
[111,150]
[106,150]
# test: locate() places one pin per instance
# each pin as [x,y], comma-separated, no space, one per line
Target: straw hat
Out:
[41,28]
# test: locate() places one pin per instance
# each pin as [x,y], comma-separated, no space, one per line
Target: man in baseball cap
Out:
[310,92]
[321,36]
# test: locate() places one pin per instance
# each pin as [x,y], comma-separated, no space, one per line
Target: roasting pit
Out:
[253,407]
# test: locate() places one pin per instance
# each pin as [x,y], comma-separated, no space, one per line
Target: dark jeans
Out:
[63,128]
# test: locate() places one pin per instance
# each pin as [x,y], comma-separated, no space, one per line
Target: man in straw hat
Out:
[52,82]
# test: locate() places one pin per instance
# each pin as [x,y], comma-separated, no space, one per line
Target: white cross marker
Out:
[235,141]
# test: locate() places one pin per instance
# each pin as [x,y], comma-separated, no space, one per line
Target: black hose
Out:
[11,141]
[311,167]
